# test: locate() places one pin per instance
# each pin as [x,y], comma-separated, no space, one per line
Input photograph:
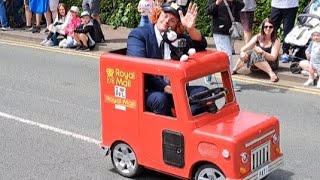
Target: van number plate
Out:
[263,172]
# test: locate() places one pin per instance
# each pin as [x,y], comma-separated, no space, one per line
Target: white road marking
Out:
[50,128]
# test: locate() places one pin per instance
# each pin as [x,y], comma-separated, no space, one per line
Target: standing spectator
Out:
[51,12]
[144,8]
[261,49]
[16,6]
[246,18]
[93,7]
[286,11]
[36,28]
[313,52]
[220,24]
[3,17]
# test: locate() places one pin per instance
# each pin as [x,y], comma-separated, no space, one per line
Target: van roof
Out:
[200,64]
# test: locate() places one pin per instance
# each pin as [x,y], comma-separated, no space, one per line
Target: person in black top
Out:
[262,49]
[84,34]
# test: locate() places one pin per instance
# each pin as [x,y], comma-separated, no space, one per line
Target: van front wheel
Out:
[209,172]
[124,160]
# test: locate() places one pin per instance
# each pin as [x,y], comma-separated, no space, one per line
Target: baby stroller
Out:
[299,37]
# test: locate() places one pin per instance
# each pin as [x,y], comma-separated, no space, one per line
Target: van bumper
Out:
[276,164]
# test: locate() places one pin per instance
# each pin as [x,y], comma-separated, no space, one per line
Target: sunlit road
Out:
[50,119]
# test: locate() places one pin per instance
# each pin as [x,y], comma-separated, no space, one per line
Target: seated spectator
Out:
[304,65]
[56,27]
[71,24]
[148,42]
[84,33]
[261,49]
[313,53]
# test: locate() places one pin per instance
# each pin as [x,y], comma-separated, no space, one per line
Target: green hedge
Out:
[124,13]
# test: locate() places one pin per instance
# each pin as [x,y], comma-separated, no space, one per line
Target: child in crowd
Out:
[144,7]
[85,33]
[313,52]
[73,21]
[56,27]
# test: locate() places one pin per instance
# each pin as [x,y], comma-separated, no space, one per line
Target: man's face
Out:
[85,19]
[167,20]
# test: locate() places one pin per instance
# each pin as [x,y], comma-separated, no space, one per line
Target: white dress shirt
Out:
[285,4]
[167,50]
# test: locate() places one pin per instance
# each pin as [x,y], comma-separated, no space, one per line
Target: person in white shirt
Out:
[286,11]
[144,7]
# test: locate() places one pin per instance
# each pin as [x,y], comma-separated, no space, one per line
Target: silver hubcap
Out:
[124,158]
[211,174]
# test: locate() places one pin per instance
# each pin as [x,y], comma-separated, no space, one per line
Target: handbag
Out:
[236,30]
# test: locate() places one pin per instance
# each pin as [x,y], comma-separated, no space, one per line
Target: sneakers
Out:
[28,28]
[46,31]
[285,58]
[79,47]
[318,83]
[49,43]
[6,28]
[236,87]
[36,29]
[309,82]
[85,48]
[44,41]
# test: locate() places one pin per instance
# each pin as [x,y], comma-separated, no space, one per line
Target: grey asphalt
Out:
[62,90]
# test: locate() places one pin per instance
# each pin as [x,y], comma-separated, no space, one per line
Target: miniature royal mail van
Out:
[223,142]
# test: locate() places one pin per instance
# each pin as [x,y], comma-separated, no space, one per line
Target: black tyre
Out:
[209,172]
[124,160]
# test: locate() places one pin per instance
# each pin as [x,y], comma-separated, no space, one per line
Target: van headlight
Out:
[244,157]
[275,139]
[225,153]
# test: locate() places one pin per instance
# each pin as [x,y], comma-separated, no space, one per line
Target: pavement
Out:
[116,39]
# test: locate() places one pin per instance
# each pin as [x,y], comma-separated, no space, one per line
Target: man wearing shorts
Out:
[246,18]
[93,7]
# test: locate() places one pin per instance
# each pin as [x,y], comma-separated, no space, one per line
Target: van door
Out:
[162,142]
[162,139]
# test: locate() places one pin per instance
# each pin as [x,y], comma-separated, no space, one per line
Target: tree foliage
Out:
[124,13]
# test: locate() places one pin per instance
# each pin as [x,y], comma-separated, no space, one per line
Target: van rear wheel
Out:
[209,172]
[124,160]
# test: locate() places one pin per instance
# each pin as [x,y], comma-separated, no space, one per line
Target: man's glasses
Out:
[269,27]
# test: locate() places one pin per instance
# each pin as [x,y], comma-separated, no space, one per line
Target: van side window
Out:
[209,98]
[158,96]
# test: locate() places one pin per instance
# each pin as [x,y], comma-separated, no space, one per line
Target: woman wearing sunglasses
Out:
[260,50]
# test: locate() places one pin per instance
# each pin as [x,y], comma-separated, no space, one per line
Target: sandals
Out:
[274,78]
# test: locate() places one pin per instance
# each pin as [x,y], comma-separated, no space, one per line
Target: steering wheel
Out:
[205,97]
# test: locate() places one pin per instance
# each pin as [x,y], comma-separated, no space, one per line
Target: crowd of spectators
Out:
[260,51]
